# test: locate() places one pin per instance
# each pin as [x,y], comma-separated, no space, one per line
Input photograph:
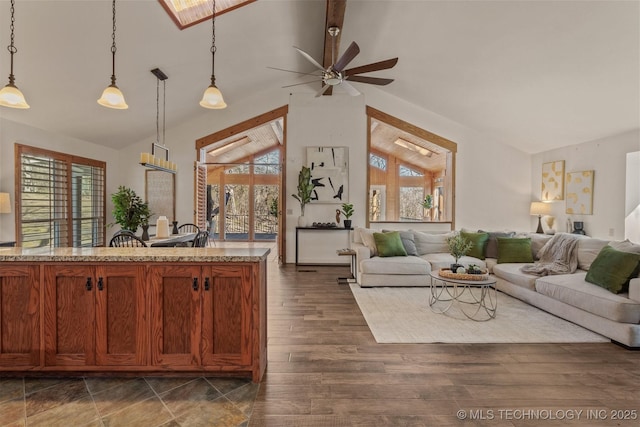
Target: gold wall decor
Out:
[552,181]
[579,192]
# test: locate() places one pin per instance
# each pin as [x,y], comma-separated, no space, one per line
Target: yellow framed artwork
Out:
[552,181]
[579,192]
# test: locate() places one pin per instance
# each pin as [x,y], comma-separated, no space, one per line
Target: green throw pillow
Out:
[612,269]
[389,244]
[479,241]
[514,249]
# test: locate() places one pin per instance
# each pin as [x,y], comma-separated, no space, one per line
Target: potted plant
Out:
[129,211]
[458,247]
[347,211]
[427,204]
[305,188]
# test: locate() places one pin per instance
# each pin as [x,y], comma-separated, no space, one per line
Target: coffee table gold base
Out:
[482,296]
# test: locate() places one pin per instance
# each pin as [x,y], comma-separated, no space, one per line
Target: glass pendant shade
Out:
[10,96]
[112,97]
[212,98]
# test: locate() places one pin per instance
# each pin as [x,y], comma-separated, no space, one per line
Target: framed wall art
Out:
[579,187]
[330,174]
[552,181]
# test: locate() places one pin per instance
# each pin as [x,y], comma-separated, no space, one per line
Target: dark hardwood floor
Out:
[325,369]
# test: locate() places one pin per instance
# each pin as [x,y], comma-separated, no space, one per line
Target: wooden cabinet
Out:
[19,316]
[94,315]
[202,316]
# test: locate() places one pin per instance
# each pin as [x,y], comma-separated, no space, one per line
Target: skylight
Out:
[186,13]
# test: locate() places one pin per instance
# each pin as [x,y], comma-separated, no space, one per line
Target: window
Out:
[406,164]
[61,199]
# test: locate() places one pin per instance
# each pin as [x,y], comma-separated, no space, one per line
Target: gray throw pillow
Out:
[491,249]
[407,241]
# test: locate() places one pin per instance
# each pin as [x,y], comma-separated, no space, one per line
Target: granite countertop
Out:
[134,254]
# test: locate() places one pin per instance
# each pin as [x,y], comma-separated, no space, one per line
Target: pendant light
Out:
[10,95]
[212,97]
[112,97]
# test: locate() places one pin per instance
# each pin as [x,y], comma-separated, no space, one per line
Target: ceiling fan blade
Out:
[304,83]
[309,58]
[371,80]
[349,88]
[375,66]
[297,72]
[323,90]
[347,56]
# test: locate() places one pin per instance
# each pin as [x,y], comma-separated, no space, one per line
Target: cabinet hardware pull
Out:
[88,285]
[206,283]
[100,284]
[195,283]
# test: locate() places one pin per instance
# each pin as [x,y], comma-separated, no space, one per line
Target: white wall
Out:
[607,157]
[12,132]
[632,198]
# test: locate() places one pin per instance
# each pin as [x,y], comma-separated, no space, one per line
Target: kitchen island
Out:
[133,310]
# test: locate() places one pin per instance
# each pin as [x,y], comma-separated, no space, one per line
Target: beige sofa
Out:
[569,296]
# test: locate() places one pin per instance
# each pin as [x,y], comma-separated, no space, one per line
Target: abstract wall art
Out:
[330,174]
[579,192]
[552,181]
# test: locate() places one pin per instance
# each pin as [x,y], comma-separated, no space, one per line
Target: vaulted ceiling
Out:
[533,74]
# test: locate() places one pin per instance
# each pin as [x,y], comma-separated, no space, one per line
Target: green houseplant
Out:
[347,211]
[129,211]
[305,189]
[427,204]
[458,247]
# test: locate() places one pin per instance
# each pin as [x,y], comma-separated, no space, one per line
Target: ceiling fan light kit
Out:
[10,95]
[112,97]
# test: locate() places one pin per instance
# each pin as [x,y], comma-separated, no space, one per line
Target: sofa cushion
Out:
[395,265]
[444,260]
[479,242]
[427,243]
[538,240]
[573,290]
[367,239]
[491,248]
[514,249]
[612,269]
[625,246]
[588,249]
[389,244]
[511,273]
[407,241]
[357,238]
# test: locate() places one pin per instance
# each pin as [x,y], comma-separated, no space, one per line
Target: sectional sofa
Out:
[569,296]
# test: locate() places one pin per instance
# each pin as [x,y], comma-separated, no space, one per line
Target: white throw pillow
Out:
[366,235]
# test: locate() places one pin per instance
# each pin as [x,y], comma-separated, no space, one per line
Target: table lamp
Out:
[540,208]
[5,203]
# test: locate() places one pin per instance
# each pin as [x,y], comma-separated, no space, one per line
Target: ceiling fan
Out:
[335,74]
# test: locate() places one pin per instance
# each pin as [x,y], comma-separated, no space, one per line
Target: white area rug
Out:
[403,315]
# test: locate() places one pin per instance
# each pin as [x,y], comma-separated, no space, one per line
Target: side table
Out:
[353,267]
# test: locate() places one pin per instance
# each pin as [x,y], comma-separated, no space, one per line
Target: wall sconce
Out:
[540,208]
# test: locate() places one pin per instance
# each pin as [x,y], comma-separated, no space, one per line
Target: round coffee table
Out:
[479,294]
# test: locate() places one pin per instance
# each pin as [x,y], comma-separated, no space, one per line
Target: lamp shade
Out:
[5,203]
[540,208]
[112,97]
[212,98]
[10,96]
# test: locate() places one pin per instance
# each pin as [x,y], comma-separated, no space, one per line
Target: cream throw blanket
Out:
[557,256]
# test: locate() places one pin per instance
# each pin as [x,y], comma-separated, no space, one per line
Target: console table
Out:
[325,241]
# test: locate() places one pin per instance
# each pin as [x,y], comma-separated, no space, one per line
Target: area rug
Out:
[403,315]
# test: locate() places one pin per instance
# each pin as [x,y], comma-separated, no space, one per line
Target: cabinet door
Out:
[175,317]
[226,319]
[69,315]
[19,315]
[121,337]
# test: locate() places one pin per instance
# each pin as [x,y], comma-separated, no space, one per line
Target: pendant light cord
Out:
[158,111]
[213,42]
[164,110]
[11,48]
[113,46]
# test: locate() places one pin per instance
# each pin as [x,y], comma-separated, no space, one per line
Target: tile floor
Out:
[140,402]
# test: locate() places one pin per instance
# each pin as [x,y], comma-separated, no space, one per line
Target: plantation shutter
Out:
[200,186]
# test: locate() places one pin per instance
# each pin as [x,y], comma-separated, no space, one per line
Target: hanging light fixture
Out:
[212,97]
[150,160]
[10,95]
[112,97]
